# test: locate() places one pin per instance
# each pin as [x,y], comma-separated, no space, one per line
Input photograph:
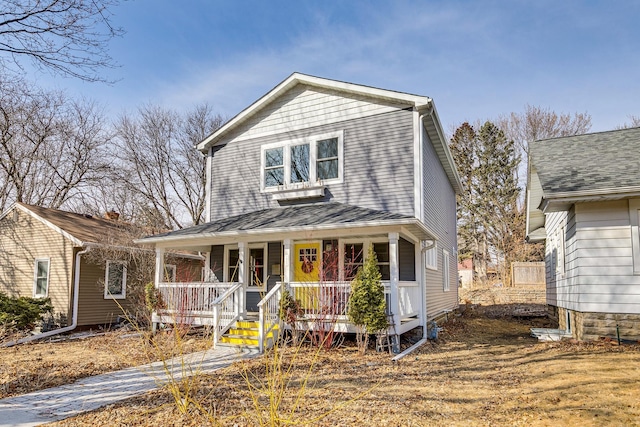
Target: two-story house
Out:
[299,185]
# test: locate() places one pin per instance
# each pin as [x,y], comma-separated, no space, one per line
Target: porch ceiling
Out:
[312,221]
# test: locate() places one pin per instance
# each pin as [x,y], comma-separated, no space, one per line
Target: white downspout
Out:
[425,248]
[76,298]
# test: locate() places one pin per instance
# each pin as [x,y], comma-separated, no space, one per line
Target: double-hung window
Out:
[301,163]
[446,280]
[41,278]
[115,281]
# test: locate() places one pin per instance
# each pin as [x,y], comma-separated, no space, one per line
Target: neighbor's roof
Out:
[581,168]
[423,104]
[330,216]
[78,228]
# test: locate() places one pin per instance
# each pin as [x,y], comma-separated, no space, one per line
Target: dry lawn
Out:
[482,372]
[35,366]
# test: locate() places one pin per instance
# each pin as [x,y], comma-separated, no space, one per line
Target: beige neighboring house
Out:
[43,253]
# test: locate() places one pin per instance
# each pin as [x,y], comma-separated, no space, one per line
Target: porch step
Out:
[245,333]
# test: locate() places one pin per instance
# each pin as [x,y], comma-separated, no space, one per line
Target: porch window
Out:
[353,259]
[234,265]
[257,265]
[330,261]
[382,253]
[169,273]
[41,278]
[311,160]
[115,281]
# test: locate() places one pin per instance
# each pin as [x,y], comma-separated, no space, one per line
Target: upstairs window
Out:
[302,163]
[41,278]
[115,281]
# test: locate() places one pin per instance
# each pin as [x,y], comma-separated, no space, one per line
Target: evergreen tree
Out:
[367,303]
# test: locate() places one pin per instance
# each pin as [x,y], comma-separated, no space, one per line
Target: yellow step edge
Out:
[245,324]
[240,341]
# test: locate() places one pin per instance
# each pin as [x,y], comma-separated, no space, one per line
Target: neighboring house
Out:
[44,253]
[583,198]
[301,182]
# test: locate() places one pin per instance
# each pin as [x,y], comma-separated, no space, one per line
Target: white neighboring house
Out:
[299,185]
[583,200]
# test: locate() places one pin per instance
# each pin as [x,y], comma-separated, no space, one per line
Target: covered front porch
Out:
[246,274]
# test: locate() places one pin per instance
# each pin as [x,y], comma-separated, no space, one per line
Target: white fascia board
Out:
[298,78]
[455,182]
[416,227]
[571,197]
[74,240]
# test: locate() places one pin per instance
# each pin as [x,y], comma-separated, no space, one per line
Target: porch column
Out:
[158,279]
[242,275]
[159,266]
[207,266]
[394,300]
[286,261]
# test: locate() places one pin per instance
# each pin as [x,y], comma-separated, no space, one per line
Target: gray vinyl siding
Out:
[406,260]
[562,288]
[439,215]
[604,259]
[274,257]
[378,171]
[21,243]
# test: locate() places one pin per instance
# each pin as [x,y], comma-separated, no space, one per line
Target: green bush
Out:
[22,313]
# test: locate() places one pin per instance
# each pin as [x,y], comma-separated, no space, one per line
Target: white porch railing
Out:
[226,310]
[332,298]
[269,308]
[189,303]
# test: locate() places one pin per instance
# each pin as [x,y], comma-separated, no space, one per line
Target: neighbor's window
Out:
[432,258]
[445,271]
[41,278]
[115,282]
[307,160]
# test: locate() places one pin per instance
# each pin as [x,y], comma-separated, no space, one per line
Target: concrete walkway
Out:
[87,394]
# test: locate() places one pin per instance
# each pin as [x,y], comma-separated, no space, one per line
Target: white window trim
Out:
[225,275]
[431,258]
[286,152]
[173,268]
[35,277]
[560,252]
[446,269]
[262,288]
[634,216]
[107,294]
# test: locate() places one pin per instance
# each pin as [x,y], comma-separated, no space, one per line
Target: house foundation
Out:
[586,326]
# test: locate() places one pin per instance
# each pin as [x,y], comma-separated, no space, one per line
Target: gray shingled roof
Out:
[595,161]
[285,218]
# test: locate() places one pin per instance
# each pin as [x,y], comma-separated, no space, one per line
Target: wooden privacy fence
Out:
[527,273]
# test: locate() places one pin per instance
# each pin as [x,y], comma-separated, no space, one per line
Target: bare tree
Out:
[51,148]
[68,37]
[161,167]
[539,123]
[634,122]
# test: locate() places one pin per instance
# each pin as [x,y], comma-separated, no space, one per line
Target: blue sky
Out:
[476,59]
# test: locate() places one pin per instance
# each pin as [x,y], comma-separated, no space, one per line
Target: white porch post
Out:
[394,300]
[159,266]
[242,276]
[286,260]
[207,266]
[158,278]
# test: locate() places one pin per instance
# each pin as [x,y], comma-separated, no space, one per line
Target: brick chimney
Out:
[111,215]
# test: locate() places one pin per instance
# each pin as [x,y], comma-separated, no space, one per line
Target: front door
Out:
[306,270]
[306,262]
